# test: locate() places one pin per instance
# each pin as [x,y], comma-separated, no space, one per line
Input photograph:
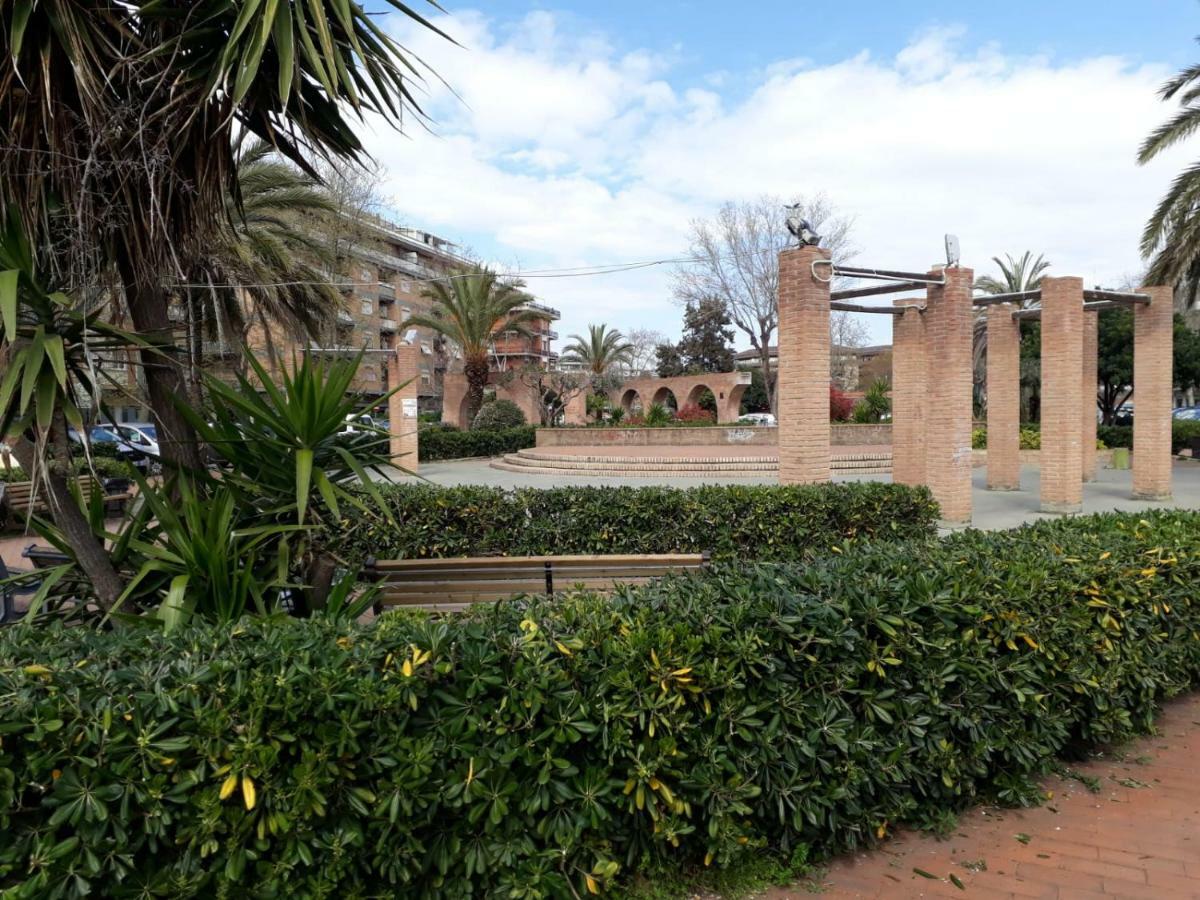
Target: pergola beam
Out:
[859,308]
[1123,298]
[1013,297]
[876,291]
[885,275]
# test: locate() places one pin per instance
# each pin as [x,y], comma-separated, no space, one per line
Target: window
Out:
[426,349]
[367,308]
[406,286]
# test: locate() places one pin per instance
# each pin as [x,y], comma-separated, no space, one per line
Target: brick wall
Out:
[949,325]
[803,376]
[910,377]
[1003,398]
[1062,401]
[1153,348]
[733,436]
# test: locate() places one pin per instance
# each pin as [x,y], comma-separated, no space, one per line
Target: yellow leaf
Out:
[708,858]
[407,668]
[1147,573]
[1106,554]
[880,831]
[563,648]
[228,787]
[36,670]
[1030,641]
[471,770]
[343,642]
[592,887]
[248,795]
[654,656]
[682,671]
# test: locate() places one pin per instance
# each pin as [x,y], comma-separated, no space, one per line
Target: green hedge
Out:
[730,521]
[101,466]
[1110,436]
[446,443]
[523,749]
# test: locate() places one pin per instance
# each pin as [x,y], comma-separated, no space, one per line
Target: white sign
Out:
[408,408]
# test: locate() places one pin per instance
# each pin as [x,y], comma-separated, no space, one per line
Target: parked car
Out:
[1187,414]
[766,419]
[142,435]
[111,435]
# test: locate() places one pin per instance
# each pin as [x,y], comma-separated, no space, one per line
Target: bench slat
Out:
[499,562]
[537,572]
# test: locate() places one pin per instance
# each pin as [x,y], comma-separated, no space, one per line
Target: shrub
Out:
[695,415]
[449,443]
[539,748]
[657,415]
[498,415]
[430,417]
[979,439]
[875,404]
[102,467]
[840,406]
[730,521]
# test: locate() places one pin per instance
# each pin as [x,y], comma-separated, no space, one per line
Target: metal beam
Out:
[1035,313]
[882,289]
[1014,297]
[1123,298]
[839,306]
[885,274]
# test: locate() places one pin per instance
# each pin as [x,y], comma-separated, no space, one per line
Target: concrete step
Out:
[534,462]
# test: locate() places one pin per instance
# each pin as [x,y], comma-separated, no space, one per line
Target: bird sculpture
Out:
[799,227]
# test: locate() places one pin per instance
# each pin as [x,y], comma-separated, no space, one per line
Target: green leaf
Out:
[304,468]
[8,303]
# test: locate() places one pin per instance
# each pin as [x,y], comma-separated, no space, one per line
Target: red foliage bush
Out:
[693,413]
[840,406]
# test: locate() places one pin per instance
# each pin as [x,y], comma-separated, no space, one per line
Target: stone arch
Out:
[631,401]
[731,407]
[696,394]
[664,396]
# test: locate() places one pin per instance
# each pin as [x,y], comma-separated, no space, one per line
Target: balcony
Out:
[218,349]
[344,319]
[387,326]
[550,311]
[387,293]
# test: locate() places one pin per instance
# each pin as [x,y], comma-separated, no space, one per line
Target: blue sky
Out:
[595,133]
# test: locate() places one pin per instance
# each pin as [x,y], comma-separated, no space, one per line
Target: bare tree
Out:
[737,259]
[643,355]
[553,389]
[847,333]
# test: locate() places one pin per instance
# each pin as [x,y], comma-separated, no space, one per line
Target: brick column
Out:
[1003,398]
[910,372]
[1153,351]
[404,369]
[575,412]
[1062,395]
[1090,387]
[949,327]
[803,368]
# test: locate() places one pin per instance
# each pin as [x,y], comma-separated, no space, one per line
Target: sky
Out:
[571,134]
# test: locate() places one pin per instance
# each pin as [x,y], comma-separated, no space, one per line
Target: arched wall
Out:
[727,388]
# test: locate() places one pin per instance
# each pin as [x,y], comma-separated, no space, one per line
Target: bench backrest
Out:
[448,584]
[20,495]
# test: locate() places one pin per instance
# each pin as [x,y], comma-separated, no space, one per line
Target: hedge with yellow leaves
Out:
[538,748]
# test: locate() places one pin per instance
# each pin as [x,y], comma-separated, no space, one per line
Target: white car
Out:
[142,436]
[763,419]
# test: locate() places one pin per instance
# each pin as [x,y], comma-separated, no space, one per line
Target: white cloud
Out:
[565,151]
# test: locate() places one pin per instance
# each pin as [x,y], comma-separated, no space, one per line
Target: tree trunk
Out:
[764,360]
[320,580]
[164,374]
[74,525]
[477,377]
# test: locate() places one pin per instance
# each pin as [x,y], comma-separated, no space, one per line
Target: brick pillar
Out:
[404,369]
[1062,400]
[1153,350]
[1090,387]
[910,373]
[803,368]
[1003,398]
[949,328]
[575,412]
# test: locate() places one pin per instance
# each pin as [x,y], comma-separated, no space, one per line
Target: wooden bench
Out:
[44,557]
[454,584]
[20,498]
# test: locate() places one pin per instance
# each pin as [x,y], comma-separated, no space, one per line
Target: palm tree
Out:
[122,123]
[599,351]
[473,309]
[1172,236]
[1016,276]
[267,270]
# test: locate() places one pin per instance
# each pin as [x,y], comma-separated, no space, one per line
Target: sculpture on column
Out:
[800,228]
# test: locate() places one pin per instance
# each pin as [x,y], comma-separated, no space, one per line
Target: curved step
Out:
[698,467]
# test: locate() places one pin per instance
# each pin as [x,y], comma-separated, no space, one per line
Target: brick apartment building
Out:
[385,272]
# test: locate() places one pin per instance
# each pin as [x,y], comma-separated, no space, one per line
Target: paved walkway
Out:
[1138,836]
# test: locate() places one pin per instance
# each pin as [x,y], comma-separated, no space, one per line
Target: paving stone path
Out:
[1138,836]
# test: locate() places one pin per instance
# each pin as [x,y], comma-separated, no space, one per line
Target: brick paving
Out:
[1138,837]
